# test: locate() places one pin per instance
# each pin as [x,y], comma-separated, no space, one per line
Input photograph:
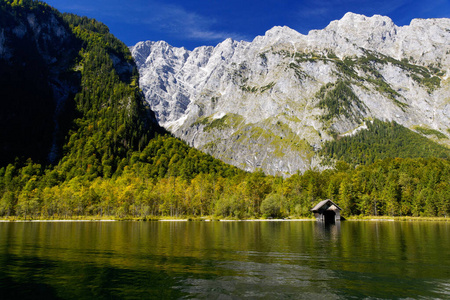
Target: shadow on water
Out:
[15,289]
[38,278]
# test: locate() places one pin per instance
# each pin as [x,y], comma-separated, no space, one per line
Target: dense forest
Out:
[382,140]
[113,160]
[151,186]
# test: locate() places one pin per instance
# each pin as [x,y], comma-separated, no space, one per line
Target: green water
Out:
[224,260]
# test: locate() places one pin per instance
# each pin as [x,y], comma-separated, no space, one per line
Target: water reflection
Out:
[224,260]
[328,231]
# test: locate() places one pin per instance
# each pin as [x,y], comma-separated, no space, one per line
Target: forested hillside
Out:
[111,117]
[70,96]
[69,89]
[381,140]
[72,89]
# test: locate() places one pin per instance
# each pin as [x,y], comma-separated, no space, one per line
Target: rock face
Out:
[272,102]
[35,51]
[41,73]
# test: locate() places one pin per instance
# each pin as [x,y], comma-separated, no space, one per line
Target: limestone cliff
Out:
[272,102]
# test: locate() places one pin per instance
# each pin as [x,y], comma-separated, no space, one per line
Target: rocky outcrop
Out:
[272,102]
[35,52]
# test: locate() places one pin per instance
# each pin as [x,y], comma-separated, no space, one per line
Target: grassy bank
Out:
[213,218]
[400,219]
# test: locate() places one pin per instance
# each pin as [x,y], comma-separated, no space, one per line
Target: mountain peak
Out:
[277,34]
[350,16]
[357,21]
[281,31]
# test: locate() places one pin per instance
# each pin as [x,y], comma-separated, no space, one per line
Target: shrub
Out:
[271,206]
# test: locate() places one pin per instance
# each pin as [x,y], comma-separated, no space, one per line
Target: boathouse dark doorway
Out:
[329,216]
[327,211]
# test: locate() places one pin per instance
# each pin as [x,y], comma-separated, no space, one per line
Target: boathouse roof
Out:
[324,205]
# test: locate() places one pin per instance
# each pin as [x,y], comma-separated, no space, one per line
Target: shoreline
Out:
[158,220]
[56,221]
[206,219]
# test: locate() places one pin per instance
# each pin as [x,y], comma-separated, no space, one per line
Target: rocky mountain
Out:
[36,48]
[68,91]
[272,103]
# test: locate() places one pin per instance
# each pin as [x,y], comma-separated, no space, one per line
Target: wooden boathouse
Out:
[327,211]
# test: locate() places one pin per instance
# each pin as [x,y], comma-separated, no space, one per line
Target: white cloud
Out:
[170,19]
[174,20]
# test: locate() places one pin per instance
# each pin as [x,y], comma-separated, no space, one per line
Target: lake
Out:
[224,260]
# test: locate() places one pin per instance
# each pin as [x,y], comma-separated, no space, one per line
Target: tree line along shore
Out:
[390,187]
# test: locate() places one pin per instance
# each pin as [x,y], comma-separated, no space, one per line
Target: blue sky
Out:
[194,23]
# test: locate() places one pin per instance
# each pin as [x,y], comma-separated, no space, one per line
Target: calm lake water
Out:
[224,260]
